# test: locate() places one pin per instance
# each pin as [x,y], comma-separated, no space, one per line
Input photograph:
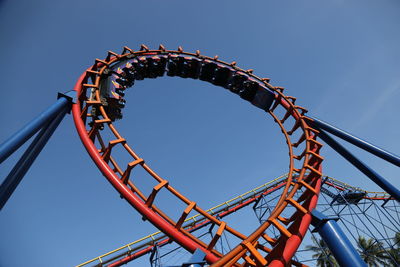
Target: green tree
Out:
[394,253]
[372,252]
[322,254]
[393,257]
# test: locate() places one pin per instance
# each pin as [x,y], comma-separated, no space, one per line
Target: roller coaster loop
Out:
[100,92]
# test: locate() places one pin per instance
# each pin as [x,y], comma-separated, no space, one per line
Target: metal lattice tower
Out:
[372,215]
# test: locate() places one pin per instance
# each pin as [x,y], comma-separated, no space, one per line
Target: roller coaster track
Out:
[97,102]
[304,160]
[146,244]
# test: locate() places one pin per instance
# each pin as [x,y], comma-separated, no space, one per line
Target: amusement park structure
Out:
[374,215]
[286,208]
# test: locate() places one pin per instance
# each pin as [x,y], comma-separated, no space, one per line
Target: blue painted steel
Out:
[337,242]
[15,141]
[17,173]
[197,259]
[377,151]
[375,177]
[70,96]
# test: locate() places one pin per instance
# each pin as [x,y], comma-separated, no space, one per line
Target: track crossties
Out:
[123,74]
[101,90]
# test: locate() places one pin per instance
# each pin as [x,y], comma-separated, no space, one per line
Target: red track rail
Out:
[144,246]
[196,226]
[249,252]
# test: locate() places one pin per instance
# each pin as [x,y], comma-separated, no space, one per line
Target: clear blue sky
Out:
[340,58]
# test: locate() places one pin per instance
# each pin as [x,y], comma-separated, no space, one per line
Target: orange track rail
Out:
[249,251]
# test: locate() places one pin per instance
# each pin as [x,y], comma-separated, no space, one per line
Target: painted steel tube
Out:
[292,245]
[132,199]
[92,80]
[375,177]
[22,166]
[15,141]
[377,151]
[163,242]
[340,246]
[304,224]
[197,259]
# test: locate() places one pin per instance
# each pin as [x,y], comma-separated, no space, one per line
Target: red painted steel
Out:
[249,249]
[122,188]
[294,241]
[195,227]
[147,248]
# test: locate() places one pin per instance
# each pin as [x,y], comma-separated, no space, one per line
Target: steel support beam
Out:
[22,166]
[18,139]
[375,177]
[197,260]
[48,121]
[340,246]
[377,151]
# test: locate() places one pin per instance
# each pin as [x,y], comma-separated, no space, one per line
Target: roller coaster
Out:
[286,208]
[360,213]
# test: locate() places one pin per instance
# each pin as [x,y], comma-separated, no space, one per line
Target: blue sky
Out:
[340,59]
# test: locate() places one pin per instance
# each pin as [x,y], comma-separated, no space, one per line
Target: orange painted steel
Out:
[305,166]
[130,252]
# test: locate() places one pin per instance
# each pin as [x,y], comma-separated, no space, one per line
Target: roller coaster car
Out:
[140,66]
[145,63]
[350,197]
[114,107]
[128,73]
[157,66]
[125,82]
[236,82]
[207,72]
[249,90]
[222,76]
[174,65]
[120,92]
[190,68]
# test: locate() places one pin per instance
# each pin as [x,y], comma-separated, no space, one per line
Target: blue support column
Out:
[47,122]
[17,173]
[15,141]
[375,177]
[379,152]
[197,259]
[337,242]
